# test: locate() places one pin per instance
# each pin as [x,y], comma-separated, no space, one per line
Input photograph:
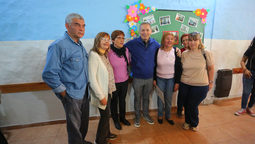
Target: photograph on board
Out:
[193,22]
[164,20]
[150,19]
[184,28]
[179,17]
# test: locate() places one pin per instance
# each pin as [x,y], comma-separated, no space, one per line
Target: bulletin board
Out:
[174,21]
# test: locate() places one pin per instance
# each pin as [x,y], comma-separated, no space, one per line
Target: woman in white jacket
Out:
[102,85]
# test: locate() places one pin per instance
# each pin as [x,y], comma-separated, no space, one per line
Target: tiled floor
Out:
[218,124]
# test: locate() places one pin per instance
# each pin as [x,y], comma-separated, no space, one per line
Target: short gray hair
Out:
[71,16]
[143,23]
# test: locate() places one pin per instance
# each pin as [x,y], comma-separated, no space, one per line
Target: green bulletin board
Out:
[181,22]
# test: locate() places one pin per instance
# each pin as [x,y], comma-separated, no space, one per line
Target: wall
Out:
[30,26]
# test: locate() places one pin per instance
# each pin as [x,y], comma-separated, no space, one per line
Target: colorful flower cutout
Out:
[142,7]
[136,18]
[131,23]
[153,8]
[203,20]
[136,4]
[134,27]
[143,11]
[133,16]
[132,11]
[203,13]
[198,12]
[129,18]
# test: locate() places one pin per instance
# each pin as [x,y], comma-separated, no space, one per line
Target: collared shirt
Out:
[66,67]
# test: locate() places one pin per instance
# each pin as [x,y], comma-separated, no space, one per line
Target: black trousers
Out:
[77,118]
[103,129]
[2,139]
[119,96]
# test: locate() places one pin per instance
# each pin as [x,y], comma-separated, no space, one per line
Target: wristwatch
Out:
[211,81]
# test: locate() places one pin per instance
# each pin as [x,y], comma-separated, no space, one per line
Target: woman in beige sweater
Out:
[196,79]
[102,85]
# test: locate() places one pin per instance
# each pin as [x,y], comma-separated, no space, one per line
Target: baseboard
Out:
[173,109]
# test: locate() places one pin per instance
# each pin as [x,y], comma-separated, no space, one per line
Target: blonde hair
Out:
[196,36]
[97,42]
[164,39]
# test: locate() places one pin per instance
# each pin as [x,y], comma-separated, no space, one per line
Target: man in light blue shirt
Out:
[66,72]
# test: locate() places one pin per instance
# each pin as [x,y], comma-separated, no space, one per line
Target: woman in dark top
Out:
[248,80]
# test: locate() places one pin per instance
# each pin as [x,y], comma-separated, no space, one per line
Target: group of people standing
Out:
[101,77]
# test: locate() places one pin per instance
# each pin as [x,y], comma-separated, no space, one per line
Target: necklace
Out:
[167,53]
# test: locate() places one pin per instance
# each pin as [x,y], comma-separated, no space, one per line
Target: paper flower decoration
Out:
[131,23]
[153,8]
[132,11]
[203,13]
[129,18]
[136,4]
[142,7]
[133,16]
[146,11]
[138,12]
[203,20]
[198,12]
[136,18]
[143,11]
[134,27]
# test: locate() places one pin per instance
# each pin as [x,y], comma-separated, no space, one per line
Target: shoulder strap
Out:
[203,52]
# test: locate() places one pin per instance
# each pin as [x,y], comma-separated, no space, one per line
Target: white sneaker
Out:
[185,126]
[195,128]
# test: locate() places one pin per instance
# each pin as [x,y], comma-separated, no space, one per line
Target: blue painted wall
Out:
[44,20]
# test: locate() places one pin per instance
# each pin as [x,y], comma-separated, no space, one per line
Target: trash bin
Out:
[223,83]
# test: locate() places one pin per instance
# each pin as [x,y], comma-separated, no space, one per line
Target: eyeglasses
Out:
[120,38]
[107,40]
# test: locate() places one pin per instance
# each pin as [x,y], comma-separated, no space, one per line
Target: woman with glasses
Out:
[102,85]
[184,41]
[119,59]
[196,79]
[167,72]
[180,103]
[248,80]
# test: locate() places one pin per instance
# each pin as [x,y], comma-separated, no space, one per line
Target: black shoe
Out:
[112,137]
[170,121]
[160,121]
[125,122]
[179,114]
[117,125]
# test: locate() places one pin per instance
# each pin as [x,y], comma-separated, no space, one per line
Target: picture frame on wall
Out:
[193,22]
[154,29]
[179,17]
[184,28]
[164,20]
[176,36]
[150,19]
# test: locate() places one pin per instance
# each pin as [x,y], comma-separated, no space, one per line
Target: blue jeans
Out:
[167,87]
[193,96]
[248,88]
